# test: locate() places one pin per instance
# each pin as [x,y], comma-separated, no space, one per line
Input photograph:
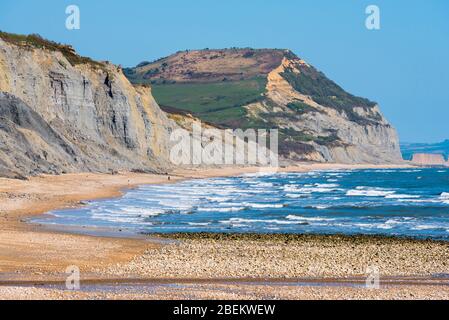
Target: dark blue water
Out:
[413,202]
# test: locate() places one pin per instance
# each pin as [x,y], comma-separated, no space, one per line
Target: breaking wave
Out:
[393,202]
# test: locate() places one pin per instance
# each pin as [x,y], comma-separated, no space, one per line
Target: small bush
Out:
[300,107]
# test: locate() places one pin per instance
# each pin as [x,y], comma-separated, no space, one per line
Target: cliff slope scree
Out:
[64,114]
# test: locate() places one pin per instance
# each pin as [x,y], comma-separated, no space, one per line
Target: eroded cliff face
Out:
[327,134]
[428,159]
[61,113]
[83,117]
[273,89]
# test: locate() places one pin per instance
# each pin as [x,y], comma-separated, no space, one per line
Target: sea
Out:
[391,202]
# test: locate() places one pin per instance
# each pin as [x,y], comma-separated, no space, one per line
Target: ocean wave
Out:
[300,218]
[390,224]
[309,190]
[242,221]
[326,185]
[427,227]
[290,188]
[319,207]
[401,196]
[142,211]
[358,202]
[420,200]
[444,196]
[263,205]
[178,204]
[198,224]
[369,192]
[263,185]
[369,226]
[338,174]
[228,209]
[230,204]
[295,195]
[217,199]
[120,219]
[442,199]
[178,211]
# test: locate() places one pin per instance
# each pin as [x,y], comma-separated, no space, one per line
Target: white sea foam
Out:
[424,227]
[230,204]
[141,211]
[218,199]
[309,190]
[290,188]
[365,225]
[419,200]
[120,219]
[383,226]
[178,206]
[401,196]
[263,185]
[389,224]
[327,185]
[319,207]
[294,195]
[300,218]
[369,192]
[444,196]
[241,221]
[225,199]
[229,209]
[262,205]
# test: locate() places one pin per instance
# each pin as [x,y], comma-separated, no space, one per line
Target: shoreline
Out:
[118,186]
[30,251]
[25,199]
[179,236]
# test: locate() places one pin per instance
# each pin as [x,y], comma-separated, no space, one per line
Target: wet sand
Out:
[30,252]
[237,291]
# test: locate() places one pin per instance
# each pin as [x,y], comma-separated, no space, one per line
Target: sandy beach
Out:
[205,266]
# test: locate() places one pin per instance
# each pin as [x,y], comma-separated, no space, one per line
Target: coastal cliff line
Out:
[273,88]
[63,113]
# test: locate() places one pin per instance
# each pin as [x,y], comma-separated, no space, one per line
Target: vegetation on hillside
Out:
[300,107]
[207,66]
[327,93]
[35,41]
[213,102]
[218,92]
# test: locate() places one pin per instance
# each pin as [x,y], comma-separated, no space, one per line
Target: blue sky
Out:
[404,66]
